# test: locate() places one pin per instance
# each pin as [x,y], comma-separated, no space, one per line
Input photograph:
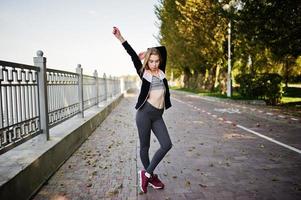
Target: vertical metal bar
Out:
[27,95]
[111,86]
[55,96]
[6,139]
[1,102]
[23,96]
[59,94]
[97,87]
[40,62]
[106,86]
[30,89]
[35,95]
[229,81]
[10,96]
[1,108]
[122,85]
[6,105]
[38,102]
[61,97]
[15,120]
[79,71]
[50,95]
[18,96]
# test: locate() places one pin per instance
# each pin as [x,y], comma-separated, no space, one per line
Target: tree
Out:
[194,36]
[273,24]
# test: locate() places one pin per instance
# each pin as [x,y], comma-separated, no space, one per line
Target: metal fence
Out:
[35,98]
[19,110]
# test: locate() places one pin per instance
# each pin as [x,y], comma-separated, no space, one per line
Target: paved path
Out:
[210,159]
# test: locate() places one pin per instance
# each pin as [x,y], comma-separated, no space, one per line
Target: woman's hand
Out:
[141,55]
[118,35]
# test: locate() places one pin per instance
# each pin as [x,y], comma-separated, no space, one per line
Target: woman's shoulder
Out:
[161,74]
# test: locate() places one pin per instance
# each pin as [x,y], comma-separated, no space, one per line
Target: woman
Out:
[154,96]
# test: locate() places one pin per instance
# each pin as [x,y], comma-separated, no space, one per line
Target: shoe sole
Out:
[140,181]
[157,188]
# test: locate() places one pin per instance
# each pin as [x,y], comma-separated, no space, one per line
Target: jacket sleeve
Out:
[163,53]
[137,62]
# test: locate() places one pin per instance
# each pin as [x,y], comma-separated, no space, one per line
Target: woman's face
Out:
[153,62]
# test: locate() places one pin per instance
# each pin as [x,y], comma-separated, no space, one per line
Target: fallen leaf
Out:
[275,179]
[187,183]
[112,192]
[202,185]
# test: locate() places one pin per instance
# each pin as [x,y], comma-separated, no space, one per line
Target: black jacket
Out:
[145,86]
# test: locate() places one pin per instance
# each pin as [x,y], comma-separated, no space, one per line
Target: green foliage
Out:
[265,38]
[261,86]
[247,87]
[272,23]
[190,33]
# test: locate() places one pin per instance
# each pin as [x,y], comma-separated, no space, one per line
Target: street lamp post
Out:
[229,79]
[228,7]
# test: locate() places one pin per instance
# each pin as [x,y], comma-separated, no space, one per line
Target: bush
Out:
[260,86]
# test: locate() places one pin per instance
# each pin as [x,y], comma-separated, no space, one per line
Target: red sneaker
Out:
[155,182]
[143,181]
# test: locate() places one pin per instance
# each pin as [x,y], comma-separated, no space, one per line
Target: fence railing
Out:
[35,98]
[19,110]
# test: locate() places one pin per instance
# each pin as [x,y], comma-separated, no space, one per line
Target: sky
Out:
[72,32]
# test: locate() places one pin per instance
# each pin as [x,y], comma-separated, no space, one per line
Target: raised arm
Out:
[135,58]
[163,53]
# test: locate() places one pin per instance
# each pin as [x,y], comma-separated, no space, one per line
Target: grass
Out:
[199,92]
[290,102]
[235,95]
[291,95]
[286,100]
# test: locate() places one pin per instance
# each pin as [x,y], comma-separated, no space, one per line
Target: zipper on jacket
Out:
[146,96]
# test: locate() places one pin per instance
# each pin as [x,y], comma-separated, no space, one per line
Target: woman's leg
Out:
[143,123]
[160,130]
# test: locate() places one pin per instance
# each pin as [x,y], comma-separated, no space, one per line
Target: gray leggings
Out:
[150,118]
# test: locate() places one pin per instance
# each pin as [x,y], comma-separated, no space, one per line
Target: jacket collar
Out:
[148,76]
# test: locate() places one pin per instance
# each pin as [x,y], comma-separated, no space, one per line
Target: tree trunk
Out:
[187,76]
[286,72]
[252,69]
[194,84]
[212,78]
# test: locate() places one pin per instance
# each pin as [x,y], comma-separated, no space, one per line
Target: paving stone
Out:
[209,160]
